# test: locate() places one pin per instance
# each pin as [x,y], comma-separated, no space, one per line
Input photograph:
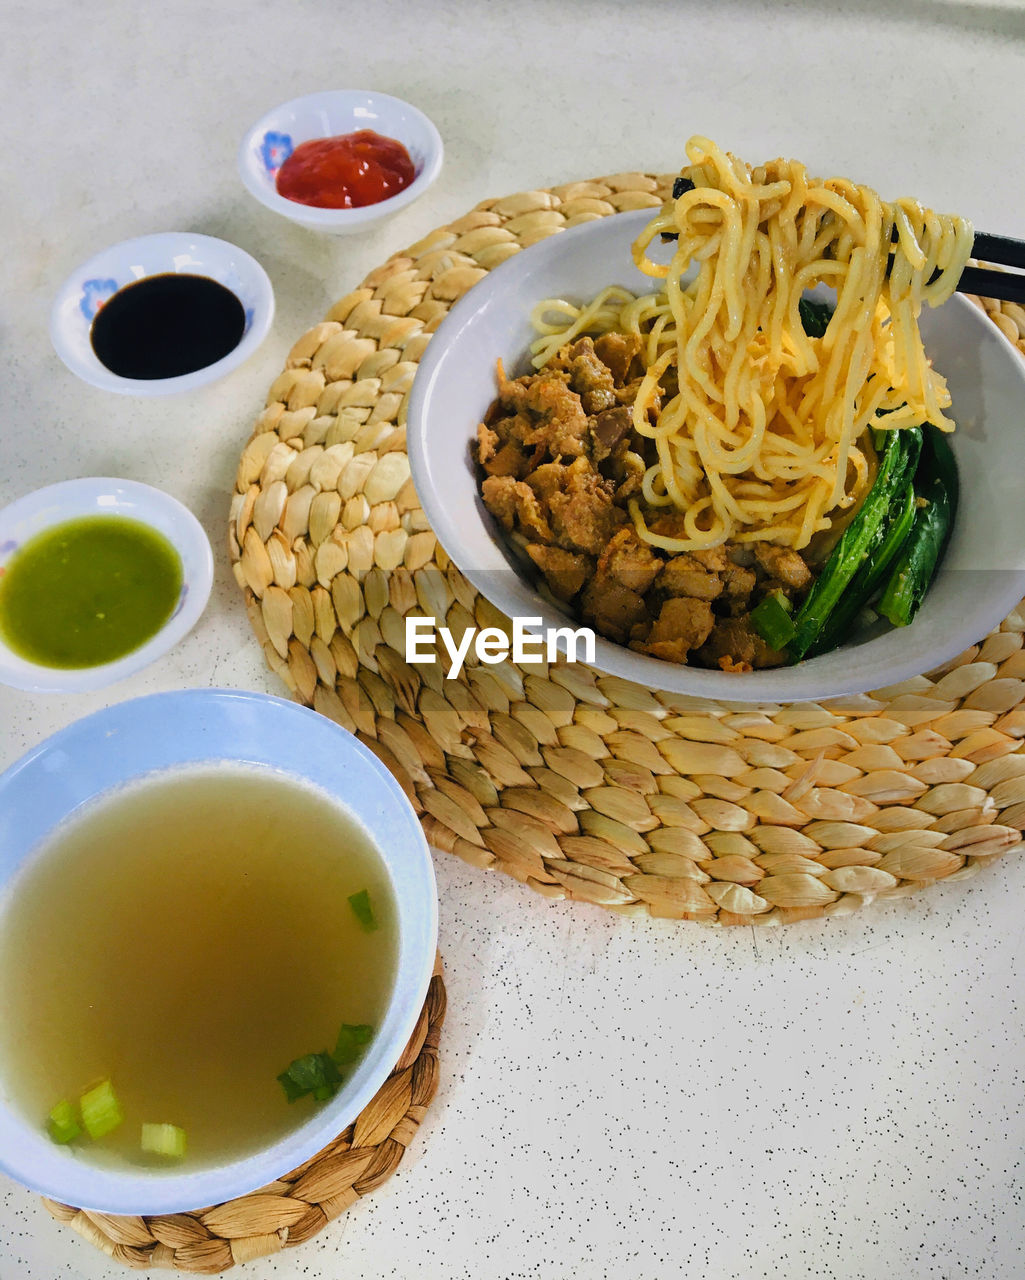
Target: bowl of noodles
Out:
[755,442]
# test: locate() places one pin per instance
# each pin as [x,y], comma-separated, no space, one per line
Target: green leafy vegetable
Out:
[362,909]
[351,1041]
[62,1124]
[869,577]
[317,1074]
[815,316]
[314,1073]
[101,1111]
[936,487]
[859,541]
[293,1091]
[163,1140]
[680,186]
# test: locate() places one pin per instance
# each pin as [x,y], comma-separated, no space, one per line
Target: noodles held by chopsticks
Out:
[757,426]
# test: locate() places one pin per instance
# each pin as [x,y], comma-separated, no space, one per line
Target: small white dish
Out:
[160,733]
[102,496]
[334,112]
[982,576]
[178,252]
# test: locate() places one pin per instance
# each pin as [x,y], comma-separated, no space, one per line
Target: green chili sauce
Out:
[88,591]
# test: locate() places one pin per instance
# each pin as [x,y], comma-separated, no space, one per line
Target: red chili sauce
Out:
[345,172]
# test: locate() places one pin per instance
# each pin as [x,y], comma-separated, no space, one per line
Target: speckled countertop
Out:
[840,1099]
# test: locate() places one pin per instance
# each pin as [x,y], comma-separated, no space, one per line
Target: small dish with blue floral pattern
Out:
[121,269]
[336,113]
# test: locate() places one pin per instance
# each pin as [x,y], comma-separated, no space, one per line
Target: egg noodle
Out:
[760,431]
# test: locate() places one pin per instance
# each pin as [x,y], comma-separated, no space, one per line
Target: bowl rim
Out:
[311,215]
[801,682]
[45,508]
[64,313]
[147,1192]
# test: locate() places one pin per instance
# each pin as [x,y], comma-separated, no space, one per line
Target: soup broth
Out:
[187,938]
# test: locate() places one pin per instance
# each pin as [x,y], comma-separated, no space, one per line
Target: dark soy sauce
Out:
[167,325]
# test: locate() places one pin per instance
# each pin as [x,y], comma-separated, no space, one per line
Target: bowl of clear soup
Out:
[274,908]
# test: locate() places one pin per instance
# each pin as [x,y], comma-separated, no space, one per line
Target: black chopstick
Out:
[1002,249]
[1006,286]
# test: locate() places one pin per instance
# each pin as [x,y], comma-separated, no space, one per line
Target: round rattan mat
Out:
[578,784]
[296,1206]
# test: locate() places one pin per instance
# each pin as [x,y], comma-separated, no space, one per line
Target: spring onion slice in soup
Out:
[364,912]
[313,1073]
[317,1074]
[163,1140]
[351,1040]
[62,1124]
[101,1111]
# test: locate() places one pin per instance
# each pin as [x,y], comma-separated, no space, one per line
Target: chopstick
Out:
[1007,286]
[999,249]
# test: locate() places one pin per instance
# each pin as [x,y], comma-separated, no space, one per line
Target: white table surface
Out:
[619,1098]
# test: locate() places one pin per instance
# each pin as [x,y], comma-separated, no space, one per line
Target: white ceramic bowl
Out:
[182,252]
[274,137]
[983,573]
[159,733]
[101,496]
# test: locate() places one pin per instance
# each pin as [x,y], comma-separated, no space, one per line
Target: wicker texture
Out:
[578,784]
[296,1206]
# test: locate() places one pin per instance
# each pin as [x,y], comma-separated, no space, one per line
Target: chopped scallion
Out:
[317,1073]
[351,1040]
[314,1073]
[101,1111]
[363,911]
[163,1140]
[292,1090]
[62,1124]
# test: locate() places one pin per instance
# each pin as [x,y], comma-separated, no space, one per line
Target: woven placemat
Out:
[296,1206]
[583,785]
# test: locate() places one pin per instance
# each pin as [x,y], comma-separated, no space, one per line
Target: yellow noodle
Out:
[600,314]
[756,426]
